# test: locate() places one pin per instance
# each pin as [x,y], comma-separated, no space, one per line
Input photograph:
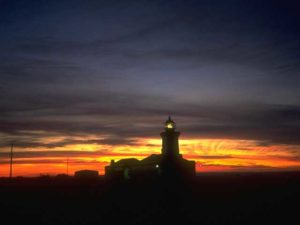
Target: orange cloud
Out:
[211,155]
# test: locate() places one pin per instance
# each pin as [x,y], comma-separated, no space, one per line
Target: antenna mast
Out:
[68,166]
[11,160]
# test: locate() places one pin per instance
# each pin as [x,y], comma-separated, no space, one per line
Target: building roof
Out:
[127,162]
[152,159]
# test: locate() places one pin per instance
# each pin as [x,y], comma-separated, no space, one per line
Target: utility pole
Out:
[11,160]
[67,166]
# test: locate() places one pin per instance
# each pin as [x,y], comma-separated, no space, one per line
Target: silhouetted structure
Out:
[68,166]
[86,174]
[62,176]
[167,164]
[11,161]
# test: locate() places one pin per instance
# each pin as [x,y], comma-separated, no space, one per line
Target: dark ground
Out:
[248,198]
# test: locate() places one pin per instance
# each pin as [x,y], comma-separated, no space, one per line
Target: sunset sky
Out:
[91,81]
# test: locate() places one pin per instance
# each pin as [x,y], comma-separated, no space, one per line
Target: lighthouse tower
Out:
[168,165]
[170,145]
[172,164]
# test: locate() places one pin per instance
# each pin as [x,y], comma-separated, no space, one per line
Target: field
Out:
[215,198]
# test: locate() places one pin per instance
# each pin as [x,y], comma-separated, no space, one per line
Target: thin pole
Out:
[11,161]
[67,166]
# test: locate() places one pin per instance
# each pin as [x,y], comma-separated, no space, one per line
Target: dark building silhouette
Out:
[86,174]
[169,163]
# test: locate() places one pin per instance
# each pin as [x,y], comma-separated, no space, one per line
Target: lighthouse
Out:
[170,145]
[168,164]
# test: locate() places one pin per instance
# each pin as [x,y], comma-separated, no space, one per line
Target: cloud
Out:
[268,123]
[114,69]
[61,156]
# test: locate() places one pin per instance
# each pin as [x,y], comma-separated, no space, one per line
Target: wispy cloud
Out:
[108,73]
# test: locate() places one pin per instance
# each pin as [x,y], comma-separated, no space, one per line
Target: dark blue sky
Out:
[224,69]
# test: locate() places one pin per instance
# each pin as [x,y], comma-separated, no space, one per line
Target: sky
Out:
[90,81]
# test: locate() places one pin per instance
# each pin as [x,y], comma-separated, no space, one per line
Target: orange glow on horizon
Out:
[211,155]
